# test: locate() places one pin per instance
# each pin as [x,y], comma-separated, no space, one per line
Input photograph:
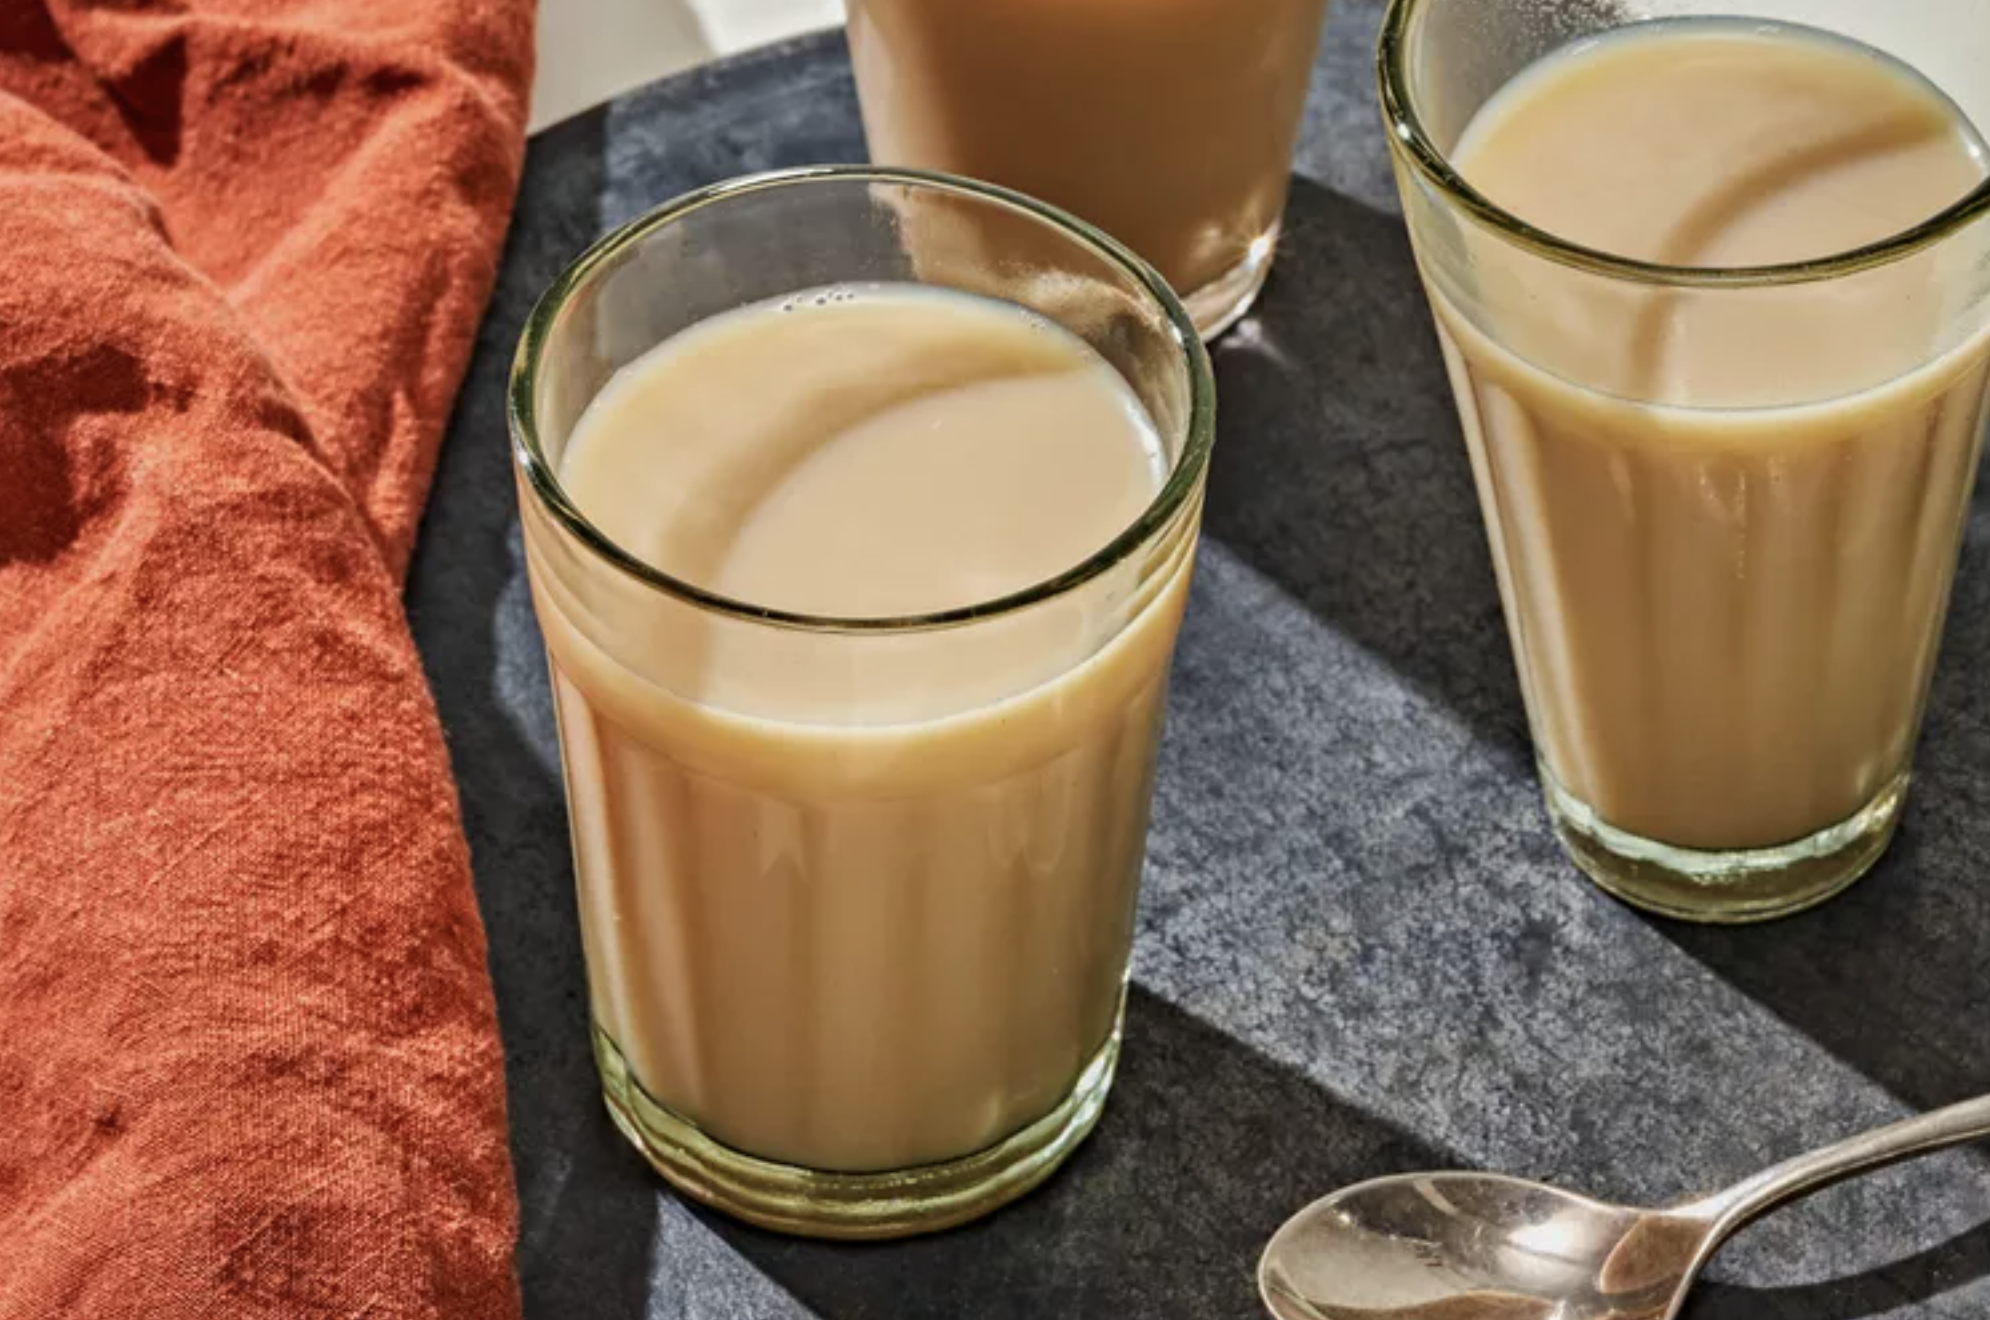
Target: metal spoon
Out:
[1476,1246]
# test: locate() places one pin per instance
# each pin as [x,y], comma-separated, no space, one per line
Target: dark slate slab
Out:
[1359,948]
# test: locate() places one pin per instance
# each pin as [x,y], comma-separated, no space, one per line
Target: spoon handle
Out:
[1958,1123]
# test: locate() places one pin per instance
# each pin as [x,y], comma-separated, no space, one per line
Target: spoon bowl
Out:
[1465,1246]
[1482,1246]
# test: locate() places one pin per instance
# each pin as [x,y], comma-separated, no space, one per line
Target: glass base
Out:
[1222,302]
[1751,884]
[811,1203]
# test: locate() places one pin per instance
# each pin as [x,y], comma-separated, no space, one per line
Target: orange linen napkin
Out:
[249,1063]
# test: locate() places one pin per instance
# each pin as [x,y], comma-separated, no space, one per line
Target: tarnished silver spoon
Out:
[1478,1246]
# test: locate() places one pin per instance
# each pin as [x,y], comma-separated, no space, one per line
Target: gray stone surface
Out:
[1359,949]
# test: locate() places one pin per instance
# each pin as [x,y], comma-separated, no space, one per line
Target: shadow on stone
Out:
[1884,1291]
[588,1207]
[1339,469]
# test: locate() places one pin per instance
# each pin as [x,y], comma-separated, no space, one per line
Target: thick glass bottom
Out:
[1753,884]
[1222,302]
[813,1203]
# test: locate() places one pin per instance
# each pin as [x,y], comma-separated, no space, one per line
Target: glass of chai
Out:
[1711,285]
[1168,123]
[860,565]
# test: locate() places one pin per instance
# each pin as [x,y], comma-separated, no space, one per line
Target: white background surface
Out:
[591,50]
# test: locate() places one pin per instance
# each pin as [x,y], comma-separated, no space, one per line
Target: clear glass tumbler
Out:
[856,971]
[1725,585]
[1168,123]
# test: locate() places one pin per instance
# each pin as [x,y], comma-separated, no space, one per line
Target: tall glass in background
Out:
[1170,124]
[1725,594]
[856,962]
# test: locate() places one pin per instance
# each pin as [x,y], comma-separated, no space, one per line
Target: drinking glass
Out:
[1725,593]
[1168,123]
[856,971]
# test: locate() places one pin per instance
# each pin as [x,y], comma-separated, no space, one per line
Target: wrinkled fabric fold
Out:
[249,1062]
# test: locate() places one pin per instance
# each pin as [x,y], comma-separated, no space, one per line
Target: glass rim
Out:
[1184,477]
[1411,143]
